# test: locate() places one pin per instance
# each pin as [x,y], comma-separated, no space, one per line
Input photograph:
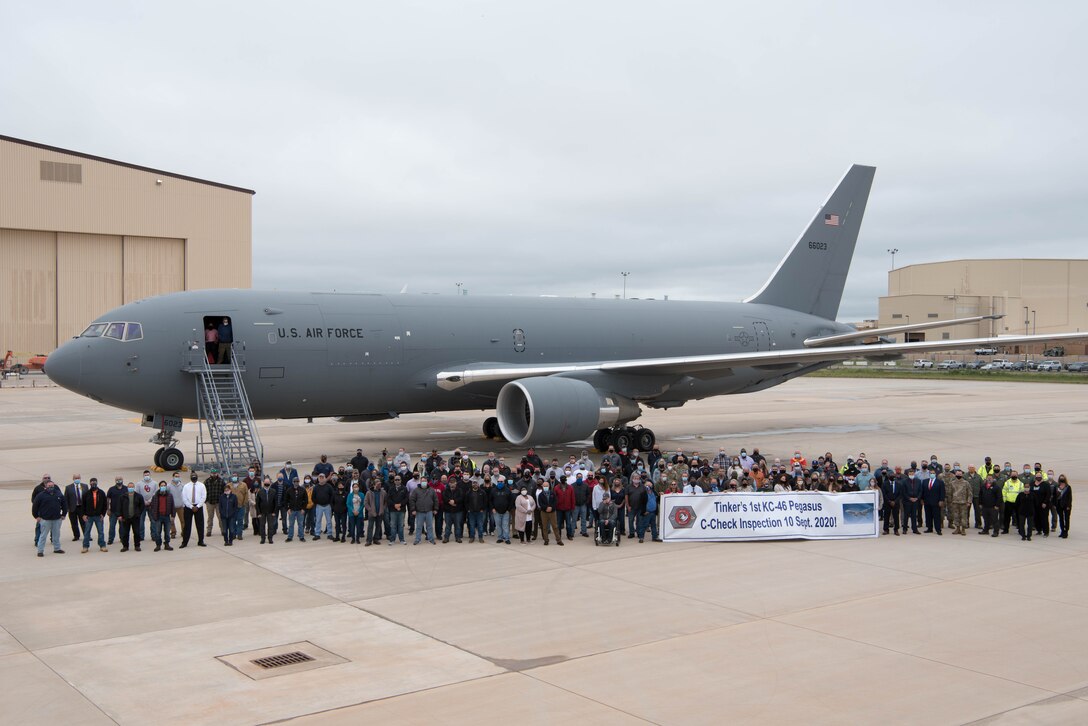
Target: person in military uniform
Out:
[959,497]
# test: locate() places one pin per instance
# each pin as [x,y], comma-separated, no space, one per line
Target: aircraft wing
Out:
[706,366]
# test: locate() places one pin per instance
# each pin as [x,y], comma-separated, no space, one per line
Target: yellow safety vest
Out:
[1011,490]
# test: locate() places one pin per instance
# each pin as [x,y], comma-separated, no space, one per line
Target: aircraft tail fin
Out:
[811,277]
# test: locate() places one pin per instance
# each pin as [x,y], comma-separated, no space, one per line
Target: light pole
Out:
[625,274]
[892,252]
[1033,322]
[1026,321]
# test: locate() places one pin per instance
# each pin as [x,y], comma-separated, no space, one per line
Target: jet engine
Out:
[552,410]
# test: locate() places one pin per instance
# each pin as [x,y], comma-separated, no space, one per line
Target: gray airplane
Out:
[552,369]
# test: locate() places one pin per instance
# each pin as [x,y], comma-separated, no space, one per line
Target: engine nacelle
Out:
[551,410]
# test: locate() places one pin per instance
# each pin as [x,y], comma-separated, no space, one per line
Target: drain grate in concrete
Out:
[281,660]
[285,659]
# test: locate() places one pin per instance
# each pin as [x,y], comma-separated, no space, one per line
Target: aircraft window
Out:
[115,331]
[134,331]
[93,330]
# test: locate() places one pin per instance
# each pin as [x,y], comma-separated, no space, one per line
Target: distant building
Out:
[80,235]
[1035,296]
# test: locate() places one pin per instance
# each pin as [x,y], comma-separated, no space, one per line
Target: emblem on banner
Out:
[682,517]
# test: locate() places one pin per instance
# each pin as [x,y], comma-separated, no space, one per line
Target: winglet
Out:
[811,277]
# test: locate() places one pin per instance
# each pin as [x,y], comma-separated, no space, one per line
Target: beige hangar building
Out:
[1035,296]
[80,234]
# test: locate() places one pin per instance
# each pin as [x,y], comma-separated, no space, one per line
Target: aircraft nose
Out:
[65,366]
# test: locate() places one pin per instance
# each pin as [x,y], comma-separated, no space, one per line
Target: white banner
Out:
[790,515]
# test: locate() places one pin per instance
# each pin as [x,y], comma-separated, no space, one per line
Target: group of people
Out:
[434,497]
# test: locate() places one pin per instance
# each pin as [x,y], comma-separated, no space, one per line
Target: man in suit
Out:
[265,507]
[912,498]
[932,497]
[74,494]
[892,489]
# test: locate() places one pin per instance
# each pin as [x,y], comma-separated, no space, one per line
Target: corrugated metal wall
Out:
[153,266]
[28,292]
[88,280]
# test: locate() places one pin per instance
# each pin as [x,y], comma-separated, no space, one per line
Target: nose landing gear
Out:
[168,456]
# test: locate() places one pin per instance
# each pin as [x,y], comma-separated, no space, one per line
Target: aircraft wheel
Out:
[491,428]
[158,456]
[601,439]
[645,440]
[621,439]
[171,459]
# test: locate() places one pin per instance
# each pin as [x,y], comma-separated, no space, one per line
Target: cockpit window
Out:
[115,331]
[93,330]
[134,331]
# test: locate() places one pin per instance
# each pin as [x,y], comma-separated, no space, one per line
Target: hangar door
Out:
[153,266]
[88,280]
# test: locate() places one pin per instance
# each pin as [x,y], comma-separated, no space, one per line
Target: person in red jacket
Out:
[564,506]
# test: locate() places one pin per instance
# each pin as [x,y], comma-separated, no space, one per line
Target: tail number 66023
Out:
[817,246]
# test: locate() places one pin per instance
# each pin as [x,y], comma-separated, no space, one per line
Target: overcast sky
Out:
[543,147]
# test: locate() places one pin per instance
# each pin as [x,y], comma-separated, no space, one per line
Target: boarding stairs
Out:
[227,439]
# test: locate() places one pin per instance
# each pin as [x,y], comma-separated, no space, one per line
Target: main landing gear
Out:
[491,428]
[624,439]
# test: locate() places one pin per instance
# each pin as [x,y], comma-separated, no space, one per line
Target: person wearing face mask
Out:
[356,506]
[296,500]
[398,505]
[227,506]
[73,495]
[423,502]
[49,508]
[253,483]
[959,498]
[113,498]
[147,488]
[245,501]
[990,502]
[322,467]
[524,506]
[132,515]
[193,497]
[174,487]
[501,502]
[546,503]
[162,516]
[374,502]
[215,486]
[94,509]
[1010,494]
[265,507]
[288,472]
[1063,503]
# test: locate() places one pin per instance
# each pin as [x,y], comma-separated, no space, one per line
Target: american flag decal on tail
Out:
[831,219]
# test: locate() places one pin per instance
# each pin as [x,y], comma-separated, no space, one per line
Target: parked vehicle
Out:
[975,364]
[1016,366]
[1078,367]
[950,365]
[1001,363]
[1056,352]
[1049,365]
[923,363]
[985,351]
[991,367]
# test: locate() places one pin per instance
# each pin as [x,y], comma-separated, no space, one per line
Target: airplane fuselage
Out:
[336,354]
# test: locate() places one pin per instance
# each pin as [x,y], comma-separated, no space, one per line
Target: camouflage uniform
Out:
[959,496]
